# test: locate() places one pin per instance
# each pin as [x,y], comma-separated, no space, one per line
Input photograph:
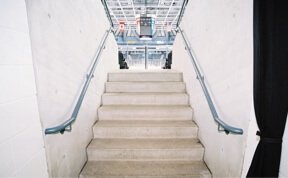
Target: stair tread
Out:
[145,98]
[145,143]
[145,112]
[139,71]
[145,123]
[145,108]
[113,107]
[144,94]
[145,129]
[146,169]
[145,86]
[145,76]
[146,82]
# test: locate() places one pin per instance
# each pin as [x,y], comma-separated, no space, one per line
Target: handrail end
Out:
[58,129]
[223,127]
[229,129]
[239,131]
[236,132]
[51,130]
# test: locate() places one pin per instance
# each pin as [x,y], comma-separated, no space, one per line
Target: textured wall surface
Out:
[284,157]
[65,36]
[220,33]
[22,152]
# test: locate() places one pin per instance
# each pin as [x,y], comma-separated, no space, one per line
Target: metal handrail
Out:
[181,13]
[221,124]
[66,126]
[107,12]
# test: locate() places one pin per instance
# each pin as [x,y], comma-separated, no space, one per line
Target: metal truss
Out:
[165,12]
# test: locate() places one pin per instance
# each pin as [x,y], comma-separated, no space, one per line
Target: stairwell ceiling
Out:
[165,12]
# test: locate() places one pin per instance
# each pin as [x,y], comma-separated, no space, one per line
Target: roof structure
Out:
[164,12]
[125,15]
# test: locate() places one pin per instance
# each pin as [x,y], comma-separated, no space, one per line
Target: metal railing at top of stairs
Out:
[222,126]
[181,12]
[107,12]
[67,125]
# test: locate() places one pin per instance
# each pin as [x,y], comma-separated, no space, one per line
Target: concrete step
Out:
[145,99]
[144,87]
[145,129]
[145,169]
[144,76]
[134,112]
[145,149]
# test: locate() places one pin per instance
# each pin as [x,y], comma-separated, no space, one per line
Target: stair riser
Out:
[131,77]
[148,114]
[141,87]
[194,154]
[145,132]
[167,99]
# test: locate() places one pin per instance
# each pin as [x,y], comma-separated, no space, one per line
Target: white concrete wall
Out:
[221,35]
[251,143]
[22,152]
[284,156]
[65,35]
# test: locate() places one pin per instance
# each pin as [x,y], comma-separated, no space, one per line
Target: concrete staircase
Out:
[145,129]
